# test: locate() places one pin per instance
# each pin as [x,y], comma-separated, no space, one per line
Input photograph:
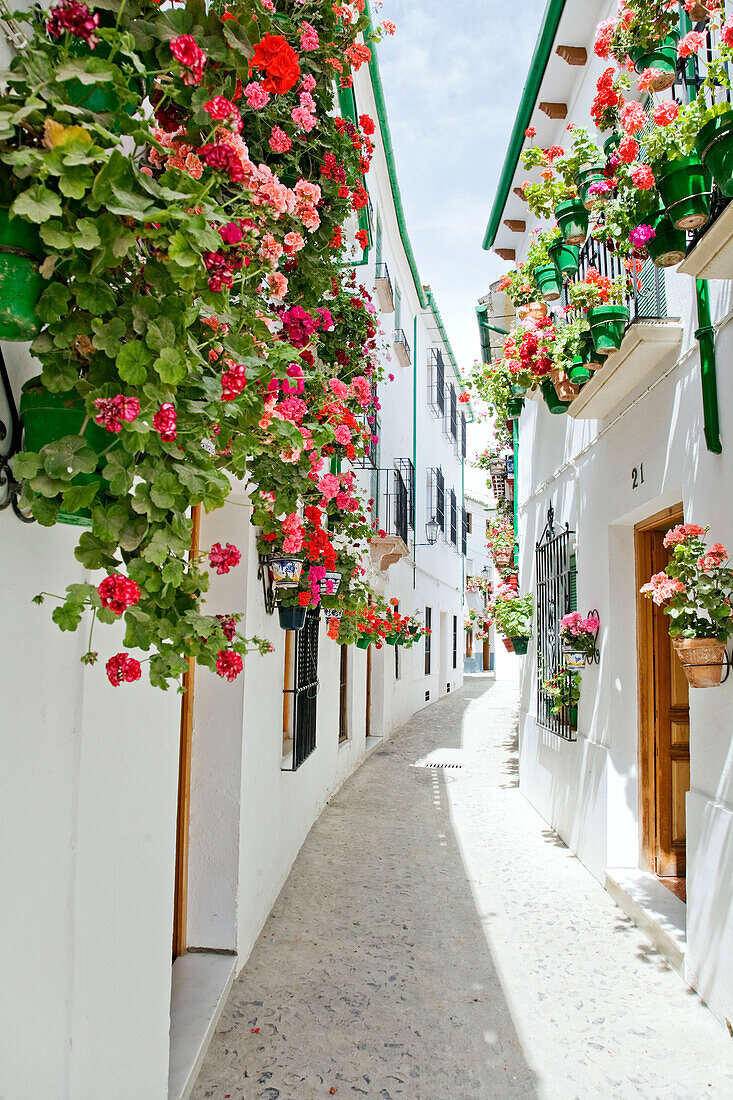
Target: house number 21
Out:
[637,476]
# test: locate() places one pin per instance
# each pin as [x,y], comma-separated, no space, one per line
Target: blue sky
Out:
[453,76]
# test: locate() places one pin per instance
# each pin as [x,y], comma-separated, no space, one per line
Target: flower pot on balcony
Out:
[663,58]
[589,356]
[564,388]
[697,12]
[607,326]
[572,217]
[611,144]
[668,246]
[292,618]
[564,257]
[584,180]
[548,282]
[363,643]
[573,717]
[714,145]
[508,645]
[329,586]
[685,186]
[702,660]
[553,402]
[519,644]
[535,310]
[514,407]
[578,372]
[285,571]
[21,283]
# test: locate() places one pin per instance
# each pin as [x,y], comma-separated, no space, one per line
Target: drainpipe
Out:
[705,334]
[414,447]
[515,443]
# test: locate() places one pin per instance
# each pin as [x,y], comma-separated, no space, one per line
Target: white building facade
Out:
[644,794]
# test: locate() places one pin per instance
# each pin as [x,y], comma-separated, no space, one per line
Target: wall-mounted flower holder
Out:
[577,655]
[705,661]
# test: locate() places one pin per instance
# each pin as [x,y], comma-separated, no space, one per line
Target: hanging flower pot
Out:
[329,586]
[292,618]
[48,417]
[363,643]
[611,144]
[21,283]
[685,186]
[285,571]
[565,258]
[564,388]
[331,614]
[714,145]
[578,372]
[553,402]
[519,645]
[607,327]
[572,218]
[514,407]
[668,246]
[508,645]
[548,282]
[589,356]
[697,12]
[702,660]
[584,180]
[663,58]
[535,310]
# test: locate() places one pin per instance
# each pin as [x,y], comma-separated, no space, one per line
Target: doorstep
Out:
[653,908]
[199,990]
[371,745]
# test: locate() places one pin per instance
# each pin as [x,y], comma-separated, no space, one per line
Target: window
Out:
[556,588]
[464,532]
[428,638]
[440,499]
[455,641]
[344,695]
[436,382]
[463,435]
[488,528]
[469,522]
[304,689]
[453,518]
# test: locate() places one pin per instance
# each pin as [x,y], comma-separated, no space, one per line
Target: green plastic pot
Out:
[21,283]
[48,417]
[102,96]
[663,57]
[565,258]
[553,402]
[589,356]
[607,327]
[548,282]
[585,179]
[578,372]
[684,187]
[668,246]
[714,145]
[574,718]
[363,643]
[520,644]
[611,144]
[572,218]
[514,407]
[292,618]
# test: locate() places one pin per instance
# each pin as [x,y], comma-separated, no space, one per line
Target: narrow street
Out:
[437,941]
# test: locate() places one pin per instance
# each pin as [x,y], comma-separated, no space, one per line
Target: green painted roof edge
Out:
[540,57]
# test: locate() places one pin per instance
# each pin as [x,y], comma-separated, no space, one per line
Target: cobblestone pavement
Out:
[436,941]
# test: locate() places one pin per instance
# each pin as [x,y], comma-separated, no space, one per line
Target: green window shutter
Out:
[378,243]
[648,304]
[397,308]
[573,594]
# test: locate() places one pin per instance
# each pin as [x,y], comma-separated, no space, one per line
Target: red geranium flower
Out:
[279,61]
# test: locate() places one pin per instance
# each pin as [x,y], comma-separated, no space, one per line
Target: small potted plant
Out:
[579,635]
[695,591]
[512,614]
[563,687]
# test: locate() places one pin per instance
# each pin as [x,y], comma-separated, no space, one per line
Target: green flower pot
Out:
[669,245]
[572,217]
[520,644]
[553,402]
[292,618]
[663,57]
[684,187]
[548,282]
[589,356]
[21,283]
[577,372]
[565,257]
[102,96]
[611,144]
[714,145]
[607,327]
[574,717]
[585,179]
[363,643]
[48,417]
[514,407]
[391,639]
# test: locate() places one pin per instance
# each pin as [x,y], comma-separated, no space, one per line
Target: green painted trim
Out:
[414,432]
[705,334]
[515,444]
[540,57]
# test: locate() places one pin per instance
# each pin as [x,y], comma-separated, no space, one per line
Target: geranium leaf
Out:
[132,360]
[37,204]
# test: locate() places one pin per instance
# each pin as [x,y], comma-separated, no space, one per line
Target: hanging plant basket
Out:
[514,407]
[508,645]
[519,644]
[363,643]
[611,144]
[702,660]
[584,180]
[668,246]
[578,372]
[565,258]
[714,145]
[589,356]
[292,618]
[607,327]
[572,218]
[553,402]
[21,283]
[285,571]
[548,282]
[663,58]
[685,186]
[330,589]
[564,388]
[535,310]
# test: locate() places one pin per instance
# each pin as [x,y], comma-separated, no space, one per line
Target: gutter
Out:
[705,335]
[540,58]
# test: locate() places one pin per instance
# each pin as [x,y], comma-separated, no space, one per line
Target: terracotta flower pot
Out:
[663,58]
[698,12]
[535,310]
[564,388]
[702,660]
[508,645]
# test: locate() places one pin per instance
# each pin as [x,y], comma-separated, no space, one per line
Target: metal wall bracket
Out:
[263,574]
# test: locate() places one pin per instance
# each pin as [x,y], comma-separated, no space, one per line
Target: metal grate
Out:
[463,435]
[464,532]
[407,473]
[305,691]
[453,518]
[555,585]
[436,382]
[647,300]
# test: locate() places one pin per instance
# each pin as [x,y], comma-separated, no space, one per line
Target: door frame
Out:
[646,690]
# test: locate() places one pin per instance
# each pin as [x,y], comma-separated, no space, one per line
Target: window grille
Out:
[344,694]
[463,435]
[455,641]
[400,499]
[407,473]
[305,689]
[555,587]
[428,638]
[453,518]
[465,528]
[436,382]
[440,499]
[647,299]
[453,413]
[450,397]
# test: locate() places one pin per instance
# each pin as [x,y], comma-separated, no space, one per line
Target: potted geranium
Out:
[512,614]
[579,635]
[695,591]
[563,687]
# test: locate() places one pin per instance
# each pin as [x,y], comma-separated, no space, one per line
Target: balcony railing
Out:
[383,288]
[395,499]
[647,299]
[401,347]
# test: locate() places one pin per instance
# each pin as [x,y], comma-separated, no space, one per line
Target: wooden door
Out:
[664,720]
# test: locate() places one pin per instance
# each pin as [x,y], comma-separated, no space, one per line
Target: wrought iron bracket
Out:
[263,574]
[594,658]
[10,443]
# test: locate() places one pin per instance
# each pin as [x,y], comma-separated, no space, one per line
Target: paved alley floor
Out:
[437,941]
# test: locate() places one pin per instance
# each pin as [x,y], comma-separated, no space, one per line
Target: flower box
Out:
[712,256]
[643,348]
[401,349]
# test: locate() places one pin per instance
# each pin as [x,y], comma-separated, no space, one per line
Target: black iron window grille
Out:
[407,472]
[394,496]
[305,690]
[371,455]
[447,415]
[464,532]
[381,272]
[555,587]
[428,639]
[463,435]
[453,518]
[436,382]
[455,641]
[440,498]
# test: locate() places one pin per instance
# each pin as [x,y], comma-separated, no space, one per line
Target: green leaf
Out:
[133,533]
[54,302]
[157,551]
[87,234]
[181,252]
[108,522]
[60,377]
[75,182]
[173,572]
[95,296]
[108,338]
[79,496]
[165,489]
[119,472]
[68,615]
[119,188]
[87,70]
[132,361]
[45,511]
[55,236]
[171,366]
[26,464]
[37,204]
[161,334]
[67,457]
[95,554]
